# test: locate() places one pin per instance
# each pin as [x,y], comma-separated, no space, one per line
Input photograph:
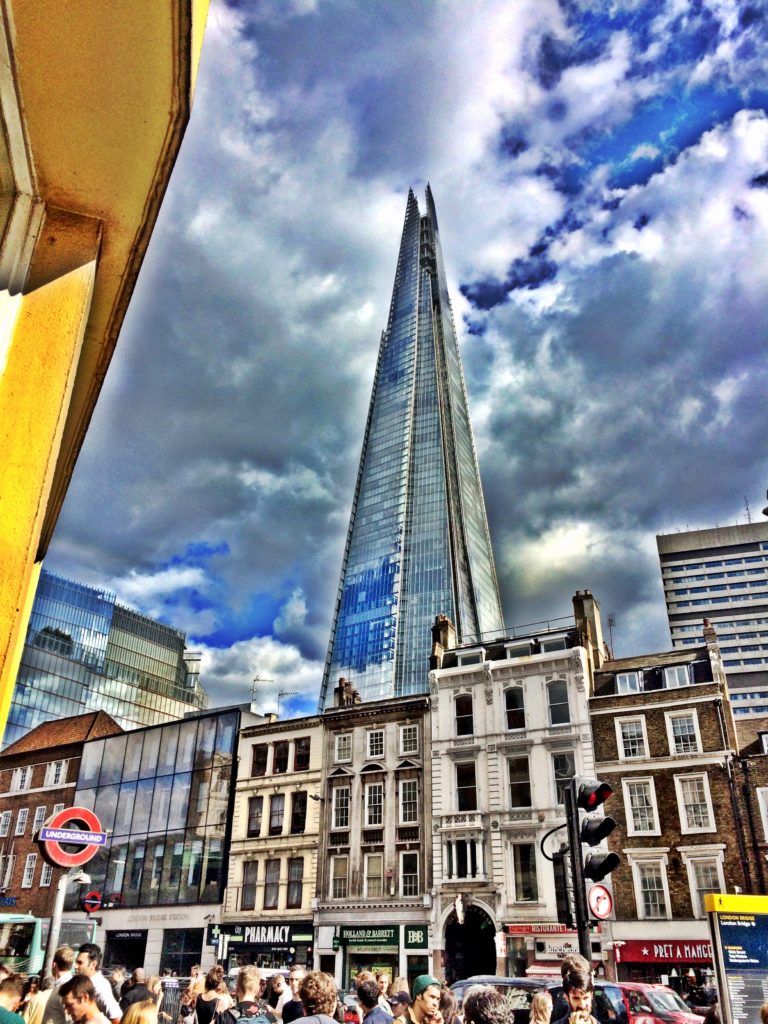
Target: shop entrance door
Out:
[126,949]
[470,948]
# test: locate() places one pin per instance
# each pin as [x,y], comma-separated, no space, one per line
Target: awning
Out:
[544,969]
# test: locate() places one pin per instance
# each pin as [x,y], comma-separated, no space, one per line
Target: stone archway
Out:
[470,947]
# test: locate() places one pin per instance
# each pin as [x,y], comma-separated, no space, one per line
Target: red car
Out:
[655,1004]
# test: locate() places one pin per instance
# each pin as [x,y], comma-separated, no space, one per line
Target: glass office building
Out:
[164,794]
[418,542]
[85,652]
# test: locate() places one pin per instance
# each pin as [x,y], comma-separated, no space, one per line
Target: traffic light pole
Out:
[577,870]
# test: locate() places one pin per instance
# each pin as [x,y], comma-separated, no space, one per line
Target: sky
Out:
[600,172]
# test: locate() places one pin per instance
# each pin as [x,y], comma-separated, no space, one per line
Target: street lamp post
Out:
[81,878]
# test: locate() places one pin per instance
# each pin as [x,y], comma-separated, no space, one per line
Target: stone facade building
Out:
[267,914]
[665,740]
[510,727]
[374,867]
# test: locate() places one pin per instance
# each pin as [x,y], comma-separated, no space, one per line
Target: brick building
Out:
[38,774]
[665,740]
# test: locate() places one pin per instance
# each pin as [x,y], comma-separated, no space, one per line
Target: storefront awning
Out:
[543,969]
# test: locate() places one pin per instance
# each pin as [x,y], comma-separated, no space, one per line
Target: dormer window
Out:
[556,643]
[470,658]
[676,676]
[629,682]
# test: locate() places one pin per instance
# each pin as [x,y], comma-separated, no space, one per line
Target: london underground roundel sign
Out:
[70,838]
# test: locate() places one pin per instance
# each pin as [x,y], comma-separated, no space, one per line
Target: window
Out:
[5,822]
[21,779]
[271,884]
[250,874]
[519,651]
[466,786]
[295,881]
[21,821]
[255,810]
[470,659]
[676,676]
[56,773]
[762,801]
[524,871]
[259,762]
[559,643]
[375,743]
[557,697]
[705,873]
[409,874]
[409,739]
[344,747]
[683,732]
[628,682]
[339,883]
[298,813]
[640,802]
[632,741]
[46,875]
[276,812]
[513,700]
[7,864]
[465,724]
[57,808]
[694,803]
[280,758]
[460,858]
[341,807]
[519,782]
[37,824]
[564,768]
[374,804]
[409,801]
[29,871]
[374,869]
[649,876]
[301,749]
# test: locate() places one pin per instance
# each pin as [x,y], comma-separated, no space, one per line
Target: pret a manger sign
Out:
[71,837]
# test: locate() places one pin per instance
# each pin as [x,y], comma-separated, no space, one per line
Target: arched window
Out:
[557,696]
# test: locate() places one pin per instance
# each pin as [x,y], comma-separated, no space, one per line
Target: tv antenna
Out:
[285,693]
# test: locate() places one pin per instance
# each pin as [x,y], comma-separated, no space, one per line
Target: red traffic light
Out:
[591,794]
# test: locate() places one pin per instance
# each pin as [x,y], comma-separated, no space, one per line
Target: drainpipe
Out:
[732,793]
[746,791]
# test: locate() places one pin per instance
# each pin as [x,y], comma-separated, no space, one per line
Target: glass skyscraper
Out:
[85,652]
[418,542]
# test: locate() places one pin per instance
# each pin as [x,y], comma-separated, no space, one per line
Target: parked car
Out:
[351,1014]
[656,1004]
[608,1005]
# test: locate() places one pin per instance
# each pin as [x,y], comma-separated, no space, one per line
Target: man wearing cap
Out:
[425,1008]
[399,1003]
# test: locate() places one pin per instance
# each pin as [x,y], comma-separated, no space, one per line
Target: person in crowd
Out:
[399,1002]
[144,1012]
[368,999]
[484,1005]
[578,990]
[249,1002]
[88,963]
[574,962]
[138,991]
[196,979]
[210,1000]
[426,1002]
[63,959]
[11,994]
[713,1014]
[187,1003]
[541,1007]
[449,1008]
[400,984]
[279,993]
[293,1008]
[80,1000]
[156,995]
[117,980]
[33,1011]
[382,981]
[318,995]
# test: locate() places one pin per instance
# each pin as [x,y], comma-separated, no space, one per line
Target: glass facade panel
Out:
[112,762]
[132,763]
[418,542]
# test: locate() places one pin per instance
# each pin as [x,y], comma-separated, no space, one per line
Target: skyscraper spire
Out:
[418,542]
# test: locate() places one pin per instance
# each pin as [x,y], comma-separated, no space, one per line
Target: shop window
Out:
[271,884]
[466,786]
[250,876]
[298,813]
[259,760]
[255,810]
[276,812]
[280,759]
[295,881]
[465,720]
[301,750]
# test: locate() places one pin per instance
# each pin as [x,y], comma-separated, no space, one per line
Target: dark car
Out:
[608,1006]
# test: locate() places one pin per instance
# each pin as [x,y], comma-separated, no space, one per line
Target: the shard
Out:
[418,542]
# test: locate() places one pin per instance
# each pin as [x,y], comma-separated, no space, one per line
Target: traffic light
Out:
[563,887]
[581,797]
